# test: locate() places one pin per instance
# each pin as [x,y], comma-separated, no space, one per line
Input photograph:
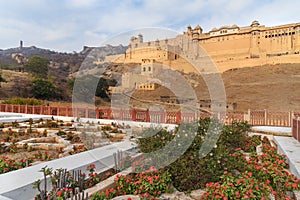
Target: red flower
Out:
[250,174]
[92,166]
[59,193]
[294,185]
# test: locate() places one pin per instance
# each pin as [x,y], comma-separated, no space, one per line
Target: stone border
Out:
[19,183]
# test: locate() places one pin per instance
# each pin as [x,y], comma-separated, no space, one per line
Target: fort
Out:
[228,46]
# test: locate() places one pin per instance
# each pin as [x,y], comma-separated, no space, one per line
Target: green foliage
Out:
[1,78]
[264,174]
[89,86]
[102,88]
[190,171]
[9,67]
[151,183]
[44,89]
[23,101]
[7,164]
[37,66]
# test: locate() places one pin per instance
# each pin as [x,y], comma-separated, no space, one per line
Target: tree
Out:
[1,78]
[102,89]
[44,89]
[37,66]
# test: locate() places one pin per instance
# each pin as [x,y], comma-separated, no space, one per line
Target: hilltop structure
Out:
[228,46]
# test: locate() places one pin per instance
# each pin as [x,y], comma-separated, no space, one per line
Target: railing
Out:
[255,118]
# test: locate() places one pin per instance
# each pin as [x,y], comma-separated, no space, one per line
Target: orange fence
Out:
[255,118]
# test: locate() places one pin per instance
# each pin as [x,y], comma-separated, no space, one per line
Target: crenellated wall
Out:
[228,46]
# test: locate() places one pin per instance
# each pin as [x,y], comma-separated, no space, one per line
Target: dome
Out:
[198,27]
[255,23]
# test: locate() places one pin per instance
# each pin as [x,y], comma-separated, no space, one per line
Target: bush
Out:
[190,171]
[23,101]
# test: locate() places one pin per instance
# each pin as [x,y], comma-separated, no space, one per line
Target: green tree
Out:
[44,89]
[86,87]
[102,89]
[37,66]
[1,78]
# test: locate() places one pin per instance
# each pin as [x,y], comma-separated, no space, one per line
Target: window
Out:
[144,69]
[149,69]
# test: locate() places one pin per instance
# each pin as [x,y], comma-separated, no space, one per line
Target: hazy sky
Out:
[68,25]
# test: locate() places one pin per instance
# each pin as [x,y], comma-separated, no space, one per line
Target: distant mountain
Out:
[7,56]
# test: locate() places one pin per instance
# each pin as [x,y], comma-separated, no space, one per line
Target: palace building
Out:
[228,46]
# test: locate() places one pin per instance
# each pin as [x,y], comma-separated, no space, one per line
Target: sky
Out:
[68,25]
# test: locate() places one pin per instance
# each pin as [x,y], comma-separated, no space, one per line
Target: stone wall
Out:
[229,47]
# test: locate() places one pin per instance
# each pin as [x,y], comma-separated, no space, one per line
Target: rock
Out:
[297,195]
[175,196]
[126,197]
[197,194]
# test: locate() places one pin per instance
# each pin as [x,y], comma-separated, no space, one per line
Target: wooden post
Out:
[147,116]
[133,115]
[162,117]
[86,112]
[265,118]
[57,113]
[97,113]
[26,109]
[178,117]
[33,110]
[19,108]
[6,107]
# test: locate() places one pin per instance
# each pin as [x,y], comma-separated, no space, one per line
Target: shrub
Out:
[189,171]
[23,101]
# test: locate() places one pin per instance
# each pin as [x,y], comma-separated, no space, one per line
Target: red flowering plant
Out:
[271,168]
[264,174]
[243,186]
[107,194]
[151,183]
[93,176]
[7,164]
[251,143]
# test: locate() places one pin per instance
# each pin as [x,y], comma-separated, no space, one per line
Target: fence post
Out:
[6,108]
[147,116]
[133,114]
[178,117]
[86,113]
[67,111]
[57,113]
[97,113]
[265,118]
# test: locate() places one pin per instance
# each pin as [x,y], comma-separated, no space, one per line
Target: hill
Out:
[272,87]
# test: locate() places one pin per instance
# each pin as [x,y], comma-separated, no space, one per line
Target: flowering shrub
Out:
[251,143]
[150,183]
[243,186]
[107,194]
[78,149]
[7,164]
[265,174]
[43,156]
